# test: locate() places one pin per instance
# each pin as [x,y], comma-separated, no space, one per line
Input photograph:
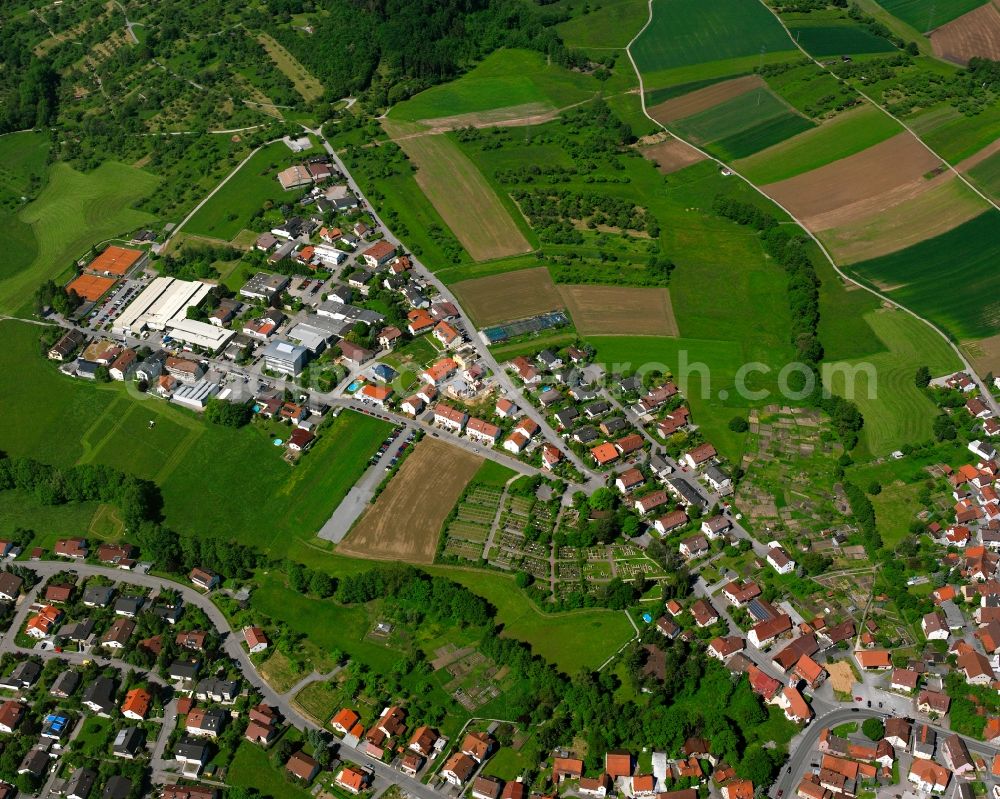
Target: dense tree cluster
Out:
[138,500]
[228,414]
[552,214]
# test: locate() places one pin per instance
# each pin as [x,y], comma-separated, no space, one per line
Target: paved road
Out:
[232,645]
[595,480]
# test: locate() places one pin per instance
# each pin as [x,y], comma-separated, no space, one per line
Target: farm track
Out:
[987,395]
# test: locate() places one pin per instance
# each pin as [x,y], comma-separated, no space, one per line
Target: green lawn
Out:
[844,135]
[926,15]
[73,212]
[895,509]
[896,412]
[946,278]
[504,79]
[493,474]
[573,640]
[230,208]
[686,32]
[842,327]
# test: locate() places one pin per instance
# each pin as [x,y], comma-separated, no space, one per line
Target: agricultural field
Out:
[684,33]
[976,33]
[74,211]
[944,204]
[461,195]
[518,80]
[832,32]
[857,186]
[955,136]
[810,90]
[405,522]
[926,15]
[503,298]
[680,106]
[837,138]
[611,24]
[743,125]
[986,175]
[231,207]
[947,279]
[620,310]
[984,354]
[896,412]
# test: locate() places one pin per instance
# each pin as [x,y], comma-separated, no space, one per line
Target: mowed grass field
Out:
[689,32]
[743,125]
[461,195]
[405,522]
[73,211]
[229,209]
[215,480]
[896,412]
[509,296]
[926,15]
[951,279]
[507,78]
[844,135]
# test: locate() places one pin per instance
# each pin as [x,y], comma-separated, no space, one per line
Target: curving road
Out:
[231,644]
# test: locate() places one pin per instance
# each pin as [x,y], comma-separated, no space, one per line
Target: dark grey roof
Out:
[128,605]
[81,783]
[99,595]
[117,787]
[66,683]
[129,741]
[183,670]
[101,692]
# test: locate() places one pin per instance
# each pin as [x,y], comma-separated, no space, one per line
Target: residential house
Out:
[458,768]
[204,579]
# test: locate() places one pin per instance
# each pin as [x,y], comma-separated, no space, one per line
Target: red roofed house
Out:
[75,548]
[256,639]
[345,720]
[699,455]
[618,764]
[352,779]
[379,254]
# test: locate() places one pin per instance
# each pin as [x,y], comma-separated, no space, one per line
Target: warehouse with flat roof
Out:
[163,305]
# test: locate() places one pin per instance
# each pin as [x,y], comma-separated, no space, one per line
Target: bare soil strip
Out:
[855,187]
[669,154]
[976,33]
[508,296]
[620,310]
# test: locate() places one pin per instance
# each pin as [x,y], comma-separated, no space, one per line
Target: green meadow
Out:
[832,32]
[215,480]
[610,24]
[23,171]
[688,32]
[504,79]
[73,212]
[948,278]
[955,136]
[844,135]
[230,208]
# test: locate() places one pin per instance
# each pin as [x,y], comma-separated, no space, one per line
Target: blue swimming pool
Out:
[278,442]
[354,386]
[647,618]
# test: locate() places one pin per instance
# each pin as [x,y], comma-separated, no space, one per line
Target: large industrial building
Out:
[163,306]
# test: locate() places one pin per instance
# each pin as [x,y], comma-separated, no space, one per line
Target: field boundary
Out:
[826,254]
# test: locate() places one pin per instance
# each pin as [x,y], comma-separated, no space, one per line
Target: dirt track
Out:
[620,310]
[702,99]
[858,186]
[976,33]
[405,521]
